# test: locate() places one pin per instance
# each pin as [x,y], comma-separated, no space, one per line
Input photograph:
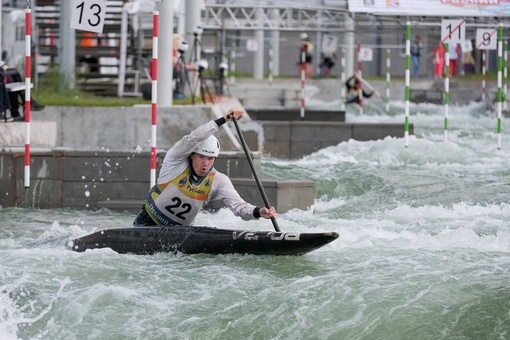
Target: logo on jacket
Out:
[182,181]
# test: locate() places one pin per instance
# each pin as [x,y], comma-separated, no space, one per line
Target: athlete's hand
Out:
[268,213]
[234,113]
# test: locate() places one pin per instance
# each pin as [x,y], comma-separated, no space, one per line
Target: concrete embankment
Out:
[119,180]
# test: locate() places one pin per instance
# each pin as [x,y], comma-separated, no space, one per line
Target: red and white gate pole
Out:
[154,96]
[484,74]
[303,77]
[28,46]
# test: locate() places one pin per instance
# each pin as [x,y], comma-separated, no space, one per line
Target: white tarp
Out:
[471,8]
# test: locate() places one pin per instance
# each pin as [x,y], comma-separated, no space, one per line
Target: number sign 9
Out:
[88,15]
[486,38]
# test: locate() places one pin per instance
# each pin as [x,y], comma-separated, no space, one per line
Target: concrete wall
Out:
[295,139]
[120,180]
[42,133]
[123,128]
[80,179]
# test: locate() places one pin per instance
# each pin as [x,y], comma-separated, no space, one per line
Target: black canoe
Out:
[194,240]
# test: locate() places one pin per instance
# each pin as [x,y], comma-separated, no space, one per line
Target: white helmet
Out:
[303,36]
[209,147]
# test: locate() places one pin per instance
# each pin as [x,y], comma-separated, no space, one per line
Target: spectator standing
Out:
[4,98]
[454,50]
[468,63]
[438,60]
[416,47]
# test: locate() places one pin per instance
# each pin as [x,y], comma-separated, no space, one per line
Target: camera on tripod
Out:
[202,65]
[183,47]
[223,67]
[198,31]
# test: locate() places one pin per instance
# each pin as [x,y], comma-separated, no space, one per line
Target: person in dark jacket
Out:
[4,97]
[17,98]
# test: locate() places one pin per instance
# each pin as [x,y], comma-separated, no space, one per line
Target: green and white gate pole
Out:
[505,74]
[446,89]
[500,68]
[388,79]
[342,79]
[360,85]
[407,82]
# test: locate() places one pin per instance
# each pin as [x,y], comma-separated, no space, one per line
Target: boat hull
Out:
[195,240]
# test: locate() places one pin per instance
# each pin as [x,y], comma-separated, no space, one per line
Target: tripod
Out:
[203,65]
[222,80]
[196,48]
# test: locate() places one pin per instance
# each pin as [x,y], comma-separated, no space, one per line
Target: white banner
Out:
[441,8]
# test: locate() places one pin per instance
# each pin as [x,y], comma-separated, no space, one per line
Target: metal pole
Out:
[67,47]
[165,53]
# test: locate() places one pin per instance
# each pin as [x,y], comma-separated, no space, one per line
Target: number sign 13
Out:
[88,15]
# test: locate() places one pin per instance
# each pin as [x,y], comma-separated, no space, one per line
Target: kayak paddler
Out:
[188,180]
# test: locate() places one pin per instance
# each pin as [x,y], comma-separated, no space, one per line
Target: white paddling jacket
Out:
[175,199]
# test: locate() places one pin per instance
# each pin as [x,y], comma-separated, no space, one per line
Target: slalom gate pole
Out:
[505,75]
[303,76]
[154,95]
[360,86]
[342,79]
[484,74]
[500,68]
[407,82]
[388,79]
[28,81]
[446,98]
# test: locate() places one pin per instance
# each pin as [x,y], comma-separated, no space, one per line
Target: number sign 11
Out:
[453,31]
[88,15]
